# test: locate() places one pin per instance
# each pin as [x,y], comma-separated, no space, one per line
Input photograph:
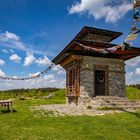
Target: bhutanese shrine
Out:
[90,73]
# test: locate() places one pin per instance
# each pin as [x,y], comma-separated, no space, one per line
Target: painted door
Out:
[100,82]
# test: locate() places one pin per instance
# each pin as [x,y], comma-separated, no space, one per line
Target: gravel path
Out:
[73,110]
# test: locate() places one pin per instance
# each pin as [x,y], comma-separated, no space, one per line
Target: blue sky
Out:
[33,32]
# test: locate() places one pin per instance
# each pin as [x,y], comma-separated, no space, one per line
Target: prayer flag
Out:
[136,3]
[131,37]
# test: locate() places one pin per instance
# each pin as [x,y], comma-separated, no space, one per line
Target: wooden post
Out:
[11,107]
[72,80]
[8,104]
[79,78]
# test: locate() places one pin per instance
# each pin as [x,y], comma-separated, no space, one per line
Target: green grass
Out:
[109,108]
[132,93]
[24,124]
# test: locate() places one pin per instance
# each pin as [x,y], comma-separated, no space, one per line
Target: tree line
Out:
[134,86]
[26,92]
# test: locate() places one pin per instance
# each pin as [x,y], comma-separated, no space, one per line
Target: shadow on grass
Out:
[136,114]
[7,111]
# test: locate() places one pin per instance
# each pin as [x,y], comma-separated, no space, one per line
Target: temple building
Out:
[90,73]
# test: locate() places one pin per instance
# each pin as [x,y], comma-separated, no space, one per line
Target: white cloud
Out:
[12,36]
[59,70]
[41,34]
[11,50]
[13,41]
[15,76]
[50,80]
[133,77]
[49,77]
[8,51]
[133,62]
[111,10]
[15,58]
[2,62]
[137,71]
[43,61]
[5,51]
[2,73]
[129,75]
[34,74]
[30,59]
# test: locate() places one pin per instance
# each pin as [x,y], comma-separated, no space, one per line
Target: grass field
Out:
[133,93]
[26,125]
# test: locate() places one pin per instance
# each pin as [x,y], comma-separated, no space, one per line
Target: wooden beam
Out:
[70,59]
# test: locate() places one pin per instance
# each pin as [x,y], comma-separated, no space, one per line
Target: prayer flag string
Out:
[30,77]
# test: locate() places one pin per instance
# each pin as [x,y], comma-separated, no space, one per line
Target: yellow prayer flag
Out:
[131,37]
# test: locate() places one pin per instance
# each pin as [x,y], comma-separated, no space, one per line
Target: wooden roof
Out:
[87,48]
[107,34]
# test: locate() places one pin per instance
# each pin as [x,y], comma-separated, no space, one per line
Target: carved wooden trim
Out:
[101,67]
[121,72]
[73,89]
[79,78]
[97,38]
[70,59]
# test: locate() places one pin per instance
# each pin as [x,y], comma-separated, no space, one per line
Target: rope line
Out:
[30,77]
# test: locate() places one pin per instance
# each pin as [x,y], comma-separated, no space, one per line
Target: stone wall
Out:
[116,77]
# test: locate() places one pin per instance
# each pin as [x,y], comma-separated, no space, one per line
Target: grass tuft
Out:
[109,108]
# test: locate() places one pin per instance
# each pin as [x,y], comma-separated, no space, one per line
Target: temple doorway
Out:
[100,82]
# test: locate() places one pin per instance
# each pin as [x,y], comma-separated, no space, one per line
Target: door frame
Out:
[106,69]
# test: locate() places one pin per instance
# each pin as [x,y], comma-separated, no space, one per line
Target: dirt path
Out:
[73,110]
